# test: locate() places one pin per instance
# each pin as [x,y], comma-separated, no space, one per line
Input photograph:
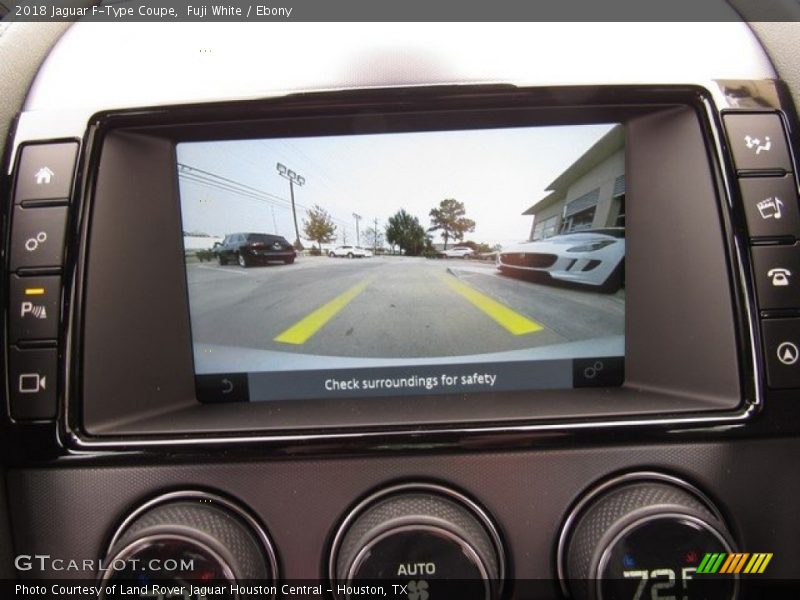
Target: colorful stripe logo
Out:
[737,562]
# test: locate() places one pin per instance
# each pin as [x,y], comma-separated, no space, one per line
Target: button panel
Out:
[44,180]
[758,142]
[32,382]
[45,172]
[37,237]
[771,206]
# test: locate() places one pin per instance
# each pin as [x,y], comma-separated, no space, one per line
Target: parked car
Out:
[593,257]
[457,252]
[247,249]
[350,252]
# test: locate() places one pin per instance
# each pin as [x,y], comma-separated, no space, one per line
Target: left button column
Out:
[41,196]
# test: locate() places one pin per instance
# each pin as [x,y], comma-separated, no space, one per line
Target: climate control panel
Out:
[635,535]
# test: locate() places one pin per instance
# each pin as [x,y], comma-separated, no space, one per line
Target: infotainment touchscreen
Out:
[405,263]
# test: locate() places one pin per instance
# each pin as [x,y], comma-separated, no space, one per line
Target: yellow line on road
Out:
[511,320]
[300,332]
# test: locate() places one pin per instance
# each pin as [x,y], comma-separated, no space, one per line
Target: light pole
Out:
[358,237]
[293,178]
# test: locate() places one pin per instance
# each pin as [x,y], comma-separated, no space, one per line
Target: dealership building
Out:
[589,194]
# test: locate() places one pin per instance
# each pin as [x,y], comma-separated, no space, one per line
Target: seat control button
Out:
[37,238]
[777,274]
[771,206]
[33,309]
[45,172]
[32,382]
[758,142]
[782,351]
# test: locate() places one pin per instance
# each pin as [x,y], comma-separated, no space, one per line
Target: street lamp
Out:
[358,237]
[293,178]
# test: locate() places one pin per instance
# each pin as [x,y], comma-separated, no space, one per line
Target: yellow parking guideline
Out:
[511,320]
[34,291]
[300,332]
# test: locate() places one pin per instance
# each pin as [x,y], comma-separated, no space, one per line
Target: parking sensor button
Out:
[33,310]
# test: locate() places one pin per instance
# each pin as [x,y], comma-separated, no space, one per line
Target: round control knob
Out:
[643,535]
[427,540]
[188,539]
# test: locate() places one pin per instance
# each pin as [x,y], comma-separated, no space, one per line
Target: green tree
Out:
[318,226]
[404,230]
[450,220]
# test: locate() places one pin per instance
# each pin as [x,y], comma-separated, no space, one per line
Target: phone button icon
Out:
[779,276]
[777,271]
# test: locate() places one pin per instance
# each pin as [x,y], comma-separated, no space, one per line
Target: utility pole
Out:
[358,237]
[293,178]
[375,239]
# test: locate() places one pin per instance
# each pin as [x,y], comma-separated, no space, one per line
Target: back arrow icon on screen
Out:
[227,386]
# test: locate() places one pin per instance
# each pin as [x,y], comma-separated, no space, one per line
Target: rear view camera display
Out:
[395,264]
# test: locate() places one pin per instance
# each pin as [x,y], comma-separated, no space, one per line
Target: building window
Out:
[619,198]
[579,213]
[619,186]
[620,221]
[579,220]
[545,229]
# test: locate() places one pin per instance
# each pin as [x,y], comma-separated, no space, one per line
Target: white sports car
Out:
[594,257]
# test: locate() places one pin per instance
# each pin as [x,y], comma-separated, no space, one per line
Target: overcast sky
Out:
[496,173]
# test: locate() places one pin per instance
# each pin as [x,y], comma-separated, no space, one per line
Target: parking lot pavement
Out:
[393,307]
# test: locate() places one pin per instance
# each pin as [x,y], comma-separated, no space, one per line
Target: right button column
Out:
[769,195]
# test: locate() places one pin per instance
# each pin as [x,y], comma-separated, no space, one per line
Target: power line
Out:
[220,182]
[183,168]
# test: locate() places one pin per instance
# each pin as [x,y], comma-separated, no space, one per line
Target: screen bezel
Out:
[454,106]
